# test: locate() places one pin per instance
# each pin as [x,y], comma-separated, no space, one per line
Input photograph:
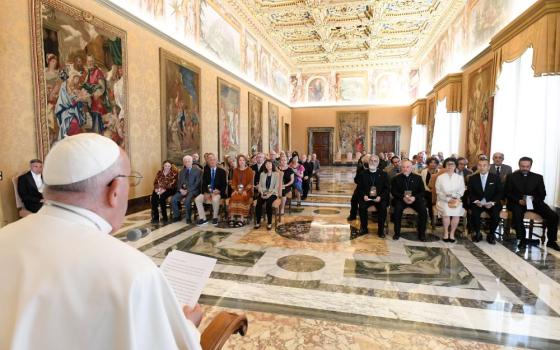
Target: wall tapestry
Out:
[273,137]
[229,102]
[255,124]
[351,129]
[80,74]
[479,113]
[180,107]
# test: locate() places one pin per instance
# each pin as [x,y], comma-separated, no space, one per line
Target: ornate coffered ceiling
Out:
[322,35]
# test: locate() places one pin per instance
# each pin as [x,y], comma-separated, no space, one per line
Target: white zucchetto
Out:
[79,157]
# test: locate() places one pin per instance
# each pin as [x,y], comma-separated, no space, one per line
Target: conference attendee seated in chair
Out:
[373,189]
[307,174]
[164,187]
[214,187]
[30,186]
[362,166]
[450,187]
[427,174]
[67,283]
[258,169]
[268,193]
[462,168]
[499,168]
[188,188]
[525,190]
[408,192]
[242,193]
[316,170]
[288,178]
[394,168]
[485,194]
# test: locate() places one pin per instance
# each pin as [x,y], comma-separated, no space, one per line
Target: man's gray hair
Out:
[187,157]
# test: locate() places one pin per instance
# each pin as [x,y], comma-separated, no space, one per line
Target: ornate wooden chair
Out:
[221,328]
[22,212]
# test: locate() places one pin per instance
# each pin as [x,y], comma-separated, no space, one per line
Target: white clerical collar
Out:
[76,214]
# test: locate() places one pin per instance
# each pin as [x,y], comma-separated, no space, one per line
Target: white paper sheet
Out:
[187,274]
[529,202]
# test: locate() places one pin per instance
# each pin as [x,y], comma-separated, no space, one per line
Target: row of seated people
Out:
[522,190]
[264,181]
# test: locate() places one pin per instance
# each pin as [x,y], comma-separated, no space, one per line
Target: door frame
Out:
[310,132]
[395,128]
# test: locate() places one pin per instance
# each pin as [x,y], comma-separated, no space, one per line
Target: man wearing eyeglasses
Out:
[66,282]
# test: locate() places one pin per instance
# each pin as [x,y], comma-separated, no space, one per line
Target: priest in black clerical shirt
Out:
[408,191]
[525,190]
[373,189]
[485,194]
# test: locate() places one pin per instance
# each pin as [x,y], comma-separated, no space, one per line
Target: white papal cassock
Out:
[67,284]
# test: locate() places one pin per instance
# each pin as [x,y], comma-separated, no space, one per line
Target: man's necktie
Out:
[212,178]
[428,177]
[498,170]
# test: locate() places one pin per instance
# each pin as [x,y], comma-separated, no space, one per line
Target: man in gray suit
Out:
[499,168]
[188,187]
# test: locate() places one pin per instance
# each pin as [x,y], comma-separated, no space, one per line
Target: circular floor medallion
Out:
[300,263]
[326,211]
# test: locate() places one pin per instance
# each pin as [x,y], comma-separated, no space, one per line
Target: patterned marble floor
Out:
[314,283]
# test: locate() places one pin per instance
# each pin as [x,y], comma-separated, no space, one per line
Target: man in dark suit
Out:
[408,191]
[30,186]
[499,168]
[214,186]
[354,201]
[308,166]
[373,189]
[485,194]
[188,188]
[258,169]
[525,190]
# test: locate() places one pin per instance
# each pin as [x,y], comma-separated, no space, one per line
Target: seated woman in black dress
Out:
[287,180]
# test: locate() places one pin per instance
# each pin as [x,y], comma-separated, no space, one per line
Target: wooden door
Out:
[384,141]
[286,143]
[321,146]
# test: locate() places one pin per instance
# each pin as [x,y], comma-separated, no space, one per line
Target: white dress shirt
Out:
[38,181]
[68,284]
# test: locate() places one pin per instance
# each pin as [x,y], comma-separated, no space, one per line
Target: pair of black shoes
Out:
[448,240]
[364,231]
[489,238]
[156,220]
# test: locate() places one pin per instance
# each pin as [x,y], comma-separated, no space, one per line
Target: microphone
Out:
[137,233]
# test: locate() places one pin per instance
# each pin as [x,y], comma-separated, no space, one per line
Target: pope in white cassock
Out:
[67,283]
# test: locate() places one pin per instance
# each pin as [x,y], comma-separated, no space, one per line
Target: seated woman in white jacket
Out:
[268,193]
[449,189]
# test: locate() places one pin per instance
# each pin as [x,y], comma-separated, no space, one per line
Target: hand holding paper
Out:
[187,274]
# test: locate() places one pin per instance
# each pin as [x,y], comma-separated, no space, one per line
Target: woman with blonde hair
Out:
[242,192]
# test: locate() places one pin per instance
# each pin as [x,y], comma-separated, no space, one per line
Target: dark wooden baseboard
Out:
[138,204]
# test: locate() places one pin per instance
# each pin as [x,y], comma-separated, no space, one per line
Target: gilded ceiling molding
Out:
[538,27]
[450,87]
[419,110]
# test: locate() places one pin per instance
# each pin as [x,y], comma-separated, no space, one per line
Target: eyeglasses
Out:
[134,179]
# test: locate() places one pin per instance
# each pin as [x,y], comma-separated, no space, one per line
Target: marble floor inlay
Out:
[315,282]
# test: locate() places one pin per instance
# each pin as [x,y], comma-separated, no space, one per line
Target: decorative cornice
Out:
[447,80]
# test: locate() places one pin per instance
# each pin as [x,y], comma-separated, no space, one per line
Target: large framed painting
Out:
[180,107]
[479,113]
[229,103]
[273,135]
[351,128]
[80,74]
[255,124]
